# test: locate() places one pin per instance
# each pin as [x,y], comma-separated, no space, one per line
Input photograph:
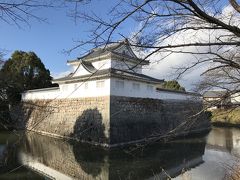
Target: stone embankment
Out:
[112,121]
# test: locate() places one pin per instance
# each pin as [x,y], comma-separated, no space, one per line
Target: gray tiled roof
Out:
[88,66]
[214,94]
[103,50]
[110,73]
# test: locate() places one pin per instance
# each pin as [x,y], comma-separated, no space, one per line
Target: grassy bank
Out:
[226,117]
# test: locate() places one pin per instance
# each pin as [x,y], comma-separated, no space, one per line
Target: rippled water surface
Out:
[33,156]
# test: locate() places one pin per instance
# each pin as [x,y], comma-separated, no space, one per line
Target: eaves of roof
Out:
[106,55]
[129,58]
[109,73]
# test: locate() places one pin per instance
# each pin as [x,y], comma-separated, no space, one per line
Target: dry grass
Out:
[233,172]
[235,176]
[231,116]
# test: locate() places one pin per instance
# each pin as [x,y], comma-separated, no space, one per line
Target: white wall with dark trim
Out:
[106,87]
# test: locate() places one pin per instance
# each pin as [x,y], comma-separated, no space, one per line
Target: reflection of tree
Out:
[8,158]
[89,127]
[9,164]
[91,159]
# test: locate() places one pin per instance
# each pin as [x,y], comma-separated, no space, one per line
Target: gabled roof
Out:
[88,66]
[111,50]
[214,94]
[110,73]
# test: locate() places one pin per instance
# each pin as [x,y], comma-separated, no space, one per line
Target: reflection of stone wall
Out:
[139,118]
[225,139]
[69,159]
[81,161]
[113,120]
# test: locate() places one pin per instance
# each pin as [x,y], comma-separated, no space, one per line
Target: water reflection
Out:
[198,158]
[63,160]
[10,168]
[221,154]
[225,139]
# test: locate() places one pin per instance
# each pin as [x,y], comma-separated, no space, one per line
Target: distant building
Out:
[220,99]
[235,98]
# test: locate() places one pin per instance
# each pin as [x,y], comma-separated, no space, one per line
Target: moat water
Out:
[32,156]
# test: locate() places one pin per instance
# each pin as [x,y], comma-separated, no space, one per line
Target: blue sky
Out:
[49,40]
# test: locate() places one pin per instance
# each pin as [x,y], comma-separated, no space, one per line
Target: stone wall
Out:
[112,121]
[139,119]
[86,119]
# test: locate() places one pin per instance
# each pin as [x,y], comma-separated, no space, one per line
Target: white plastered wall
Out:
[103,64]
[235,98]
[85,89]
[72,90]
[145,90]
[99,65]
[106,87]
[47,93]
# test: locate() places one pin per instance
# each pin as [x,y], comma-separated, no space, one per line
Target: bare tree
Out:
[235,5]
[206,29]
[21,11]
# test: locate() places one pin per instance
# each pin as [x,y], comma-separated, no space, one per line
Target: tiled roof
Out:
[214,94]
[88,66]
[111,73]
[104,50]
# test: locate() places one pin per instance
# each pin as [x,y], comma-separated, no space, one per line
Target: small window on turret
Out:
[100,84]
[75,86]
[149,88]
[119,84]
[136,86]
[65,87]
[86,85]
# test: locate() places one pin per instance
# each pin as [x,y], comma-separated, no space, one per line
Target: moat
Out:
[32,156]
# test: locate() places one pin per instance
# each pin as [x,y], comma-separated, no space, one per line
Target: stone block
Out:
[110,121]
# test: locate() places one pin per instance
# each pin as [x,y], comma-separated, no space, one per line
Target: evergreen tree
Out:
[174,85]
[23,71]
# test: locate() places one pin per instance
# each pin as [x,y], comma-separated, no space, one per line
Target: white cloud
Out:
[166,68]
